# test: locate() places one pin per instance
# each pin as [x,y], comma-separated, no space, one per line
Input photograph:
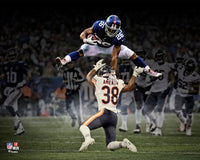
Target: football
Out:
[92,36]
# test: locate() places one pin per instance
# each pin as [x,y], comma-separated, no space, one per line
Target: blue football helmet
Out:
[112,26]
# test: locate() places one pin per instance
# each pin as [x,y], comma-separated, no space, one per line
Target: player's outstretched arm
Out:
[137,71]
[91,74]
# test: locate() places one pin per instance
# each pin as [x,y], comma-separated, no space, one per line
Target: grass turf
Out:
[54,139]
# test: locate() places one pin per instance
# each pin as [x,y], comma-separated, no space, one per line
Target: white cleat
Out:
[129,145]
[188,131]
[157,132]
[153,73]
[182,127]
[19,131]
[85,144]
[123,129]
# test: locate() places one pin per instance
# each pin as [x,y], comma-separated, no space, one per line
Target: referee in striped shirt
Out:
[73,78]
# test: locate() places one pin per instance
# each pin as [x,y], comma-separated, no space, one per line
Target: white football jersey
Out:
[186,81]
[107,94]
[162,82]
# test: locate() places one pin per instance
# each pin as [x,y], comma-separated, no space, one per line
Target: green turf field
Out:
[52,138]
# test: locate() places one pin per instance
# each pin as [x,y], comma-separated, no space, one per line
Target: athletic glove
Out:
[99,65]
[137,71]
[89,41]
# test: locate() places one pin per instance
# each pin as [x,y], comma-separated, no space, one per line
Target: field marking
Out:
[105,151]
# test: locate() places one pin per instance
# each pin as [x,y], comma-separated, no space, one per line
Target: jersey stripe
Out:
[89,120]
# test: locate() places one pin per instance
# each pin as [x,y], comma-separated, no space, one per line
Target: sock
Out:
[73,56]
[138,113]
[124,120]
[160,119]
[180,116]
[189,120]
[139,62]
[85,132]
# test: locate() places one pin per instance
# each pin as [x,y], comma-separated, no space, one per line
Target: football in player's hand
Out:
[92,36]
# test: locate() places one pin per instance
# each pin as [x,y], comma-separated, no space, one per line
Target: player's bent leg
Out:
[88,140]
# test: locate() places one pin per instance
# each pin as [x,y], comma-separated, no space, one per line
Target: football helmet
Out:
[12,54]
[105,71]
[112,25]
[190,65]
[160,56]
[142,53]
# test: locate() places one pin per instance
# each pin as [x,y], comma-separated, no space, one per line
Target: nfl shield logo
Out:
[9,146]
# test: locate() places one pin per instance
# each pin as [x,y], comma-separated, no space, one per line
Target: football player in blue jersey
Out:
[13,72]
[109,39]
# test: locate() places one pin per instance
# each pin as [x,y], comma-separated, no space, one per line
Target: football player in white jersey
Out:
[107,93]
[159,91]
[13,73]
[109,40]
[142,85]
[187,86]
[126,98]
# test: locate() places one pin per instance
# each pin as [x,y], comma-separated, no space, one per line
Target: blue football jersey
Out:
[14,73]
[105,41]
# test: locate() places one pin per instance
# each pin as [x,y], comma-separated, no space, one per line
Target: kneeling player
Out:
[107,93]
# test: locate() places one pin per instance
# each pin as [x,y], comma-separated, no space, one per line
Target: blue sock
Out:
[74,55]
[139,62]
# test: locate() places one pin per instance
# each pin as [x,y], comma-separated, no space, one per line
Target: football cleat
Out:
[188,131]
[123,129]
[182,127]
[157,132]
[137,130]
[60,62]
[86,143]
[153,73]
[152,127]
[19,131]
[130,146]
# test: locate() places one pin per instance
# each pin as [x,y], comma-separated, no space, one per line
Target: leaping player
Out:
[109,40]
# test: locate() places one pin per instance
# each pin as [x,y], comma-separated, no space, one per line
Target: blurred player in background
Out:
[159,90]
[142,85]
[15,74]
[126,98]
[187,86]
[107,94]
[107,38]
[73,78]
